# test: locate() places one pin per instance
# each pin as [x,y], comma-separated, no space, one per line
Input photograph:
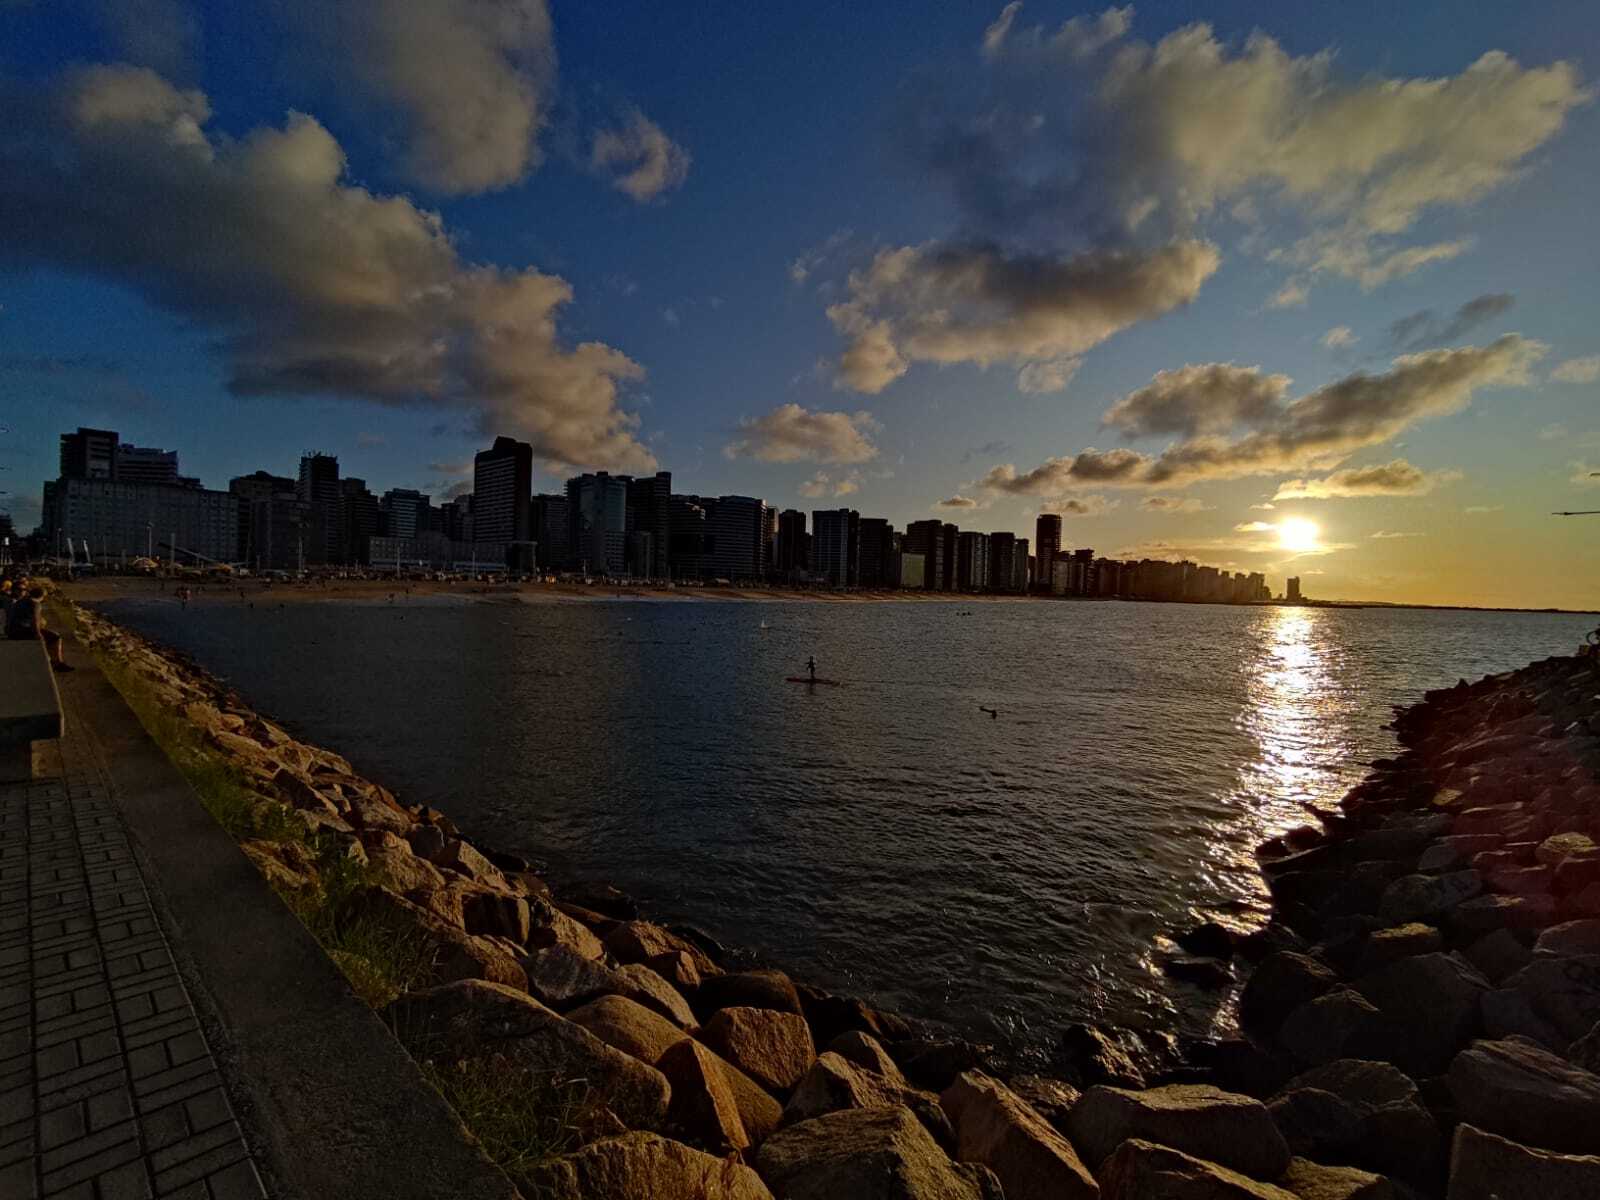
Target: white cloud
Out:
[1577,370]
[1080,506]
[641,160]
[1585,475]
[1051,375]
[1293,294]
[792,433]
[824,484]
[311,284]
[1339,337]
[1386,535]
[465,83]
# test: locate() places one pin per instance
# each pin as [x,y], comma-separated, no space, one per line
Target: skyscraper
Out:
[319,487]
[1002,561]
[403,512]
[358,510]
[876,565]
[972,562]
[89,454]
[146,464]
[599,511]
[835,545]
[925,539]
[650,512]
[552,530]
[502,487]
[790,560]
[736,544]
[1046,542]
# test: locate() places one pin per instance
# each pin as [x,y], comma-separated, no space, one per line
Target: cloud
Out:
[1397,478]
[670,316]
[1232,427]
[1584,475]
[312,285]
[1384,535]
[642,160]
[1577,370]
[987,450]
[1051,375]
[802,268]
[1293,294]
[958,502]
[1484,508]
[1174,504]
[1420,329]
[1255,527]
[1080,506]
[1090,128]
[464,85]
[791,433]
[823,484]
[1339,337]
[161,34]
[981,304]
[372,439]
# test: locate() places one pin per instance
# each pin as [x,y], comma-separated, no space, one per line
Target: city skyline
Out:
[1369,363]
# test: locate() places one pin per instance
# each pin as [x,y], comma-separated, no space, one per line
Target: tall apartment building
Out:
[836,546]
[1002,561]
[502,487]
[972,562]
[455,518]
[359,516]
[146,464]
[89,454]
[552,530]
[255,540]
[120,521]
[405,512]
[318,486]
[876,561]
[736,539]
[598,505]
[650,513]
[688,533]
[1292,590]
[790,560]
[1021,581]
[1046,544]
[925,539]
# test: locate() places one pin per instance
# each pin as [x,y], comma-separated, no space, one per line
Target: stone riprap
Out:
[1418,1010]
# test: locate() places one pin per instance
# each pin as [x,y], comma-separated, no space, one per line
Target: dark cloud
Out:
[1424,328]
[957,502]
[312,284]
[1396,478]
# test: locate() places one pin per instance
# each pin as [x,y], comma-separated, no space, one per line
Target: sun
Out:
[1298,535]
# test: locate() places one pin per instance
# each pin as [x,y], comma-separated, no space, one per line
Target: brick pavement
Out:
[107,1087]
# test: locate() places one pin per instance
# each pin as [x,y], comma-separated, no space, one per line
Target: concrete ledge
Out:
[332,1105]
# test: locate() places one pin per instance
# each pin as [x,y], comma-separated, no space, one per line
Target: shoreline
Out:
[1349,900]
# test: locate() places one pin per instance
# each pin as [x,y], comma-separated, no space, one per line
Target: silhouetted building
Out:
[146,464]
[260,487]
[599,512]
[1002,562]
[1046,544]
[926,540]
[947,577]
[650,514]
[912,571]
[972,562]
[876,560]
[405,512]
[502,487]
[552,530]
[789,559]
[736,539]
[89,454]
[836,546]
[688,533]
[455,518]
[119,521]
[318,486]
[359,513]
[1293,593]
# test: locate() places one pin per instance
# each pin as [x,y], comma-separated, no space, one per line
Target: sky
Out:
[1189,275]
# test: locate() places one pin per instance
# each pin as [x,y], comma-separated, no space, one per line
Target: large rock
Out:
[1486,1167]
[1340,1024]
[1585,1052]
[643,1166]
[549,926]
[1498,955]
[1423,897]
[1362,1114]
[472,1019]
[867,1052]
[748,989]
[1432,1003]
[563,978]
[1562,846]
[833,1084]
[995,1127]
[1485,914]
[830,1015]
[1564,991]
[639,941]
[1570,940]
[1523,1092]
[1235,1131]
[1313,1181]
[403,870]
[703,1105]
[461,857]
[647,1036]
[1143,1170]
[1088,1056]
[773,1048]
[868,1154]
[1281,983]
[639,982]
[1052,1099]
[456,954]
[496,914]
[934,1063]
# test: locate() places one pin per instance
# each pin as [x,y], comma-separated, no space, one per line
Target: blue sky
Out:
[1128,196]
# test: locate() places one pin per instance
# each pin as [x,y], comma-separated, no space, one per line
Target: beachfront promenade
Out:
[167,1028]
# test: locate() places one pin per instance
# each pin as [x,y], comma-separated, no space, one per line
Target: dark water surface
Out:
[1005,875]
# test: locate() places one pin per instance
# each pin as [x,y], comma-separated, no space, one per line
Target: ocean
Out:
[1005,875]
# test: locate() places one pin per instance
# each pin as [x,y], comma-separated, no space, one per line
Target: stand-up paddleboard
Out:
[818,682]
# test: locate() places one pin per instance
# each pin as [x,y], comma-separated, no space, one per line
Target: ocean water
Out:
[1005,875]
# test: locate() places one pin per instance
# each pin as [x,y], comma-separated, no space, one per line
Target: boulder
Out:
[677,968]
[562,978]
[1362,1114]
[1519,1090]
[549,926]
[1562,846]
[1088,1056]
[456,955]
[1488,913]
[1313,1181]
[832,1084]
[1143,1170]
[1484,1166]
[995,1127]
[496,914]
[1508,1013]
[1432,1003]
[1281,983]
[1209,939]
[1339,1024]
[1498,954]
[1422,897]
[403,870]
[934,1064]
[773,1048]
[1585,1052]
[473,1019]
[1052,1099]
[642,1166]
[1571,939]
[702,1104]
[639,982]
[867,1052]
[1235,1131]
[1564,991]
[748,989]
[868,1154]
[463,859]
[371,811]
[1400,941]
[647,1035]
[639,941]
[1208,973]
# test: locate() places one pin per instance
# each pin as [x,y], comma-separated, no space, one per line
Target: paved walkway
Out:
[107,1087]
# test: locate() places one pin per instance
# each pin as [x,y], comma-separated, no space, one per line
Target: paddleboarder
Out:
[811,666]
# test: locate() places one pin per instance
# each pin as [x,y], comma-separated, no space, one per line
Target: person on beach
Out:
[811,665]
[5,601]
[25,620]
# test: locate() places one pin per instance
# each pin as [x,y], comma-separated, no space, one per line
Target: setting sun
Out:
[1298,534]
